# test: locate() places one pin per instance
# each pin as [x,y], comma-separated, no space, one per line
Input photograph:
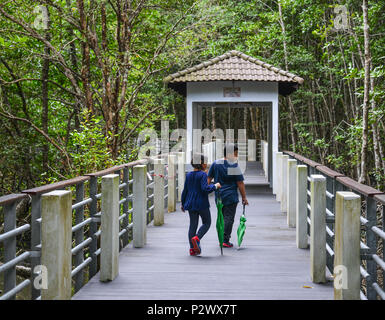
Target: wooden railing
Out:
[77,227]
[344,220]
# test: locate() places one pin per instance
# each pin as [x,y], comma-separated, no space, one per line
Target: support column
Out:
[158,192]
[347,246]
[318,229]
[109,241]
[251,149]
[56,243]
[171,183]
[181,174]
[301,207]
[278,175]
[291,192]
[284,183]
[139,206]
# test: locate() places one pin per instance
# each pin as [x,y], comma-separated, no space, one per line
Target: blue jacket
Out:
[195,191]
[227,174]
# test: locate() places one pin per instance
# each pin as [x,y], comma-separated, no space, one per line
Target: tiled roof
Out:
[233,65]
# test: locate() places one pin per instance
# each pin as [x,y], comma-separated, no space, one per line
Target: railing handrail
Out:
[84,240]
[370,227]
[343,179]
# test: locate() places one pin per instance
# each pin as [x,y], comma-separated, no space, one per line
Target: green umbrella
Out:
[242,227]
[220,223]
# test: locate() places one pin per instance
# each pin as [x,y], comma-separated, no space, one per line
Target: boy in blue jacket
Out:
[195,200]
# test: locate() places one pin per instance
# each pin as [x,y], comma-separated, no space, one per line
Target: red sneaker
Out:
[196,243]
[192,252]
[227,245]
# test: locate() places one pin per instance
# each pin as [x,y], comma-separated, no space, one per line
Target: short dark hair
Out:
[230,148]
[197,160]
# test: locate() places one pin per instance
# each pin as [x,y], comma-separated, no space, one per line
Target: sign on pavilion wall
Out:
[231,92]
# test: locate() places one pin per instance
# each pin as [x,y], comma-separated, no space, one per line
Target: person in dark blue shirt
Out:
[195,200]
[227,172]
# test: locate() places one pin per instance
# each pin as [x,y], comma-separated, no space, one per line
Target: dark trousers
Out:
[228,218]
[194,219]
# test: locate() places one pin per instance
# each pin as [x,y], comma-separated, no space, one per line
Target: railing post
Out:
[139,206]
[251,149]
[284,183]
[79,236]
[158,192]
[291,192]
[278,175]
[10,247]
[181,174]
[109,242]
[35,240]
[126,191]
[219,149]
[171,200]
[301,207]
[56,243]
[93,227]
[318,228]
[266,161]
[347,280]
[371,242]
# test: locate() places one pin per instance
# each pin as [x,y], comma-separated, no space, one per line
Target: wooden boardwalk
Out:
[268,266]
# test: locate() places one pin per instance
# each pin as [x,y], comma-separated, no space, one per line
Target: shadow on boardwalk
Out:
[269,266]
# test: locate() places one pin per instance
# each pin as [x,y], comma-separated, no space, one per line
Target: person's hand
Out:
[182,208]
[218,185]
[245,202]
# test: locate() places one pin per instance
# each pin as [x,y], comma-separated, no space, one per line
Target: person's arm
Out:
[206,187]
[184,194]
[242,190]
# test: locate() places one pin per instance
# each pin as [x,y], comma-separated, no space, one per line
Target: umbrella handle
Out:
[244,209]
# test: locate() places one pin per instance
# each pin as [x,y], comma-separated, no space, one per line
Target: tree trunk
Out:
[44,95]
[365,111]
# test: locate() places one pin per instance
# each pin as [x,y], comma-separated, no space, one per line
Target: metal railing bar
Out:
[98,196]
[379,261]
[15,290]
[329,213]
[122,232]
[123,200]
[362,296]
[379,291]
[14,232]
[130,226]
[122,216]
[330,232]
[81,203]
[97,233]
[81,224]
[122,185]
[308,193]
[364,247]
[81,266]
[364,221]
[14,262]
[329,195]
[97,252]
[308,221]
[364,273]
[80,246]
[329,250]
[379,232]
